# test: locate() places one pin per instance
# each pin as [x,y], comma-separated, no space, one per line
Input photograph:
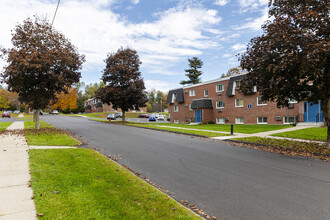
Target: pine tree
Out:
[193,73]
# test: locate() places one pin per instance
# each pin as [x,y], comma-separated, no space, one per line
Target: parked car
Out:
[168,118]
[161,117]
[143,116]
[157,115]
[111,116]
[6,114]
[118,114]
[17,111]
[152,118]
[53,112]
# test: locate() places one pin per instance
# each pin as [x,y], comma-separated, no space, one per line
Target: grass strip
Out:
[47,135]
[176,130]
[288,144]
[83,184]
[315,133]
[238,128]
[4,125]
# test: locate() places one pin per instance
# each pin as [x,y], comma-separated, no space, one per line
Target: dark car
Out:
[152,118]
[111,116]
[6,114]
[143,116]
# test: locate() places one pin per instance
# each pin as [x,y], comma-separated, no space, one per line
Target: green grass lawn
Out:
[238,128]
[315,133]
[203,133]
[47,135]
[295,145]
[153,126]
[4,125]
[83,184]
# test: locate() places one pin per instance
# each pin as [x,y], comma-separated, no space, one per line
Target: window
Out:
[206,93]
[239,120]
[237,84]
[173,98]
[190,109]
[220,104]
[239,102]
[176,108]
[289,120]
[219,88]
[176,121]
[220,120]
[292,101]
[262,120]
[192,92]
[260,101]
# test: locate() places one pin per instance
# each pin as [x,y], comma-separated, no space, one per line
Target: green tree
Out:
[91,89]
[193,73]
[42,63]
[151,96]
[4,99]
[124,87]
[291,59]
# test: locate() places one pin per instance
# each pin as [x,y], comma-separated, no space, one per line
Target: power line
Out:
[58,3]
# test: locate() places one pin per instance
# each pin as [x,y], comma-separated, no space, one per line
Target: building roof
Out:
[229,91]
[201,103]
[179,96]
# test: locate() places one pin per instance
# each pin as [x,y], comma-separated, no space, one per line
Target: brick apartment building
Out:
[220,101]
[94,105]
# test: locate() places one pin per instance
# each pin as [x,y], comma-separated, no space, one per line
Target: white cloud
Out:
[256,24]
[172,36]
[135,2]
[247,5]
[221,2]
[157,84]
[226,55]
[238,46]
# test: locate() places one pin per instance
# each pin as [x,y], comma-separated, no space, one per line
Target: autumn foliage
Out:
[291,59]
[124,87]
[66,100]
[41,63]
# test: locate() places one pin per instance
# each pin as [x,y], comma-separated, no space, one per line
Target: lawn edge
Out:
[279,150]
[175,132]
[146,180]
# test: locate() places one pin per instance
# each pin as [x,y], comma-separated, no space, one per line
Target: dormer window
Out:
[173,98]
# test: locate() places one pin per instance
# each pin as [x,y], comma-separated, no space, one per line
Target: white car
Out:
[161,117]
[157,115]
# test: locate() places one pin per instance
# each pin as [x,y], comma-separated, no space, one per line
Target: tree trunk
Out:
[37,113]
[325,106]
[123,117]
[28,110]
[34,116]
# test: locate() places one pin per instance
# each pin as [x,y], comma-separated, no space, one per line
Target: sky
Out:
[165,33]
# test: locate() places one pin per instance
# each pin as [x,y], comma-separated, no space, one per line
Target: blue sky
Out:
[165,33]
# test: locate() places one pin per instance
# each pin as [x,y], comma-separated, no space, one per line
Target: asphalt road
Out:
[225,181]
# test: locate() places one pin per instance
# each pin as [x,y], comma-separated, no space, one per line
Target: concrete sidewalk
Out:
[15,196]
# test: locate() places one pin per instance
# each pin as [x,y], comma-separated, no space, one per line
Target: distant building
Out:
[220,101]
[94,105]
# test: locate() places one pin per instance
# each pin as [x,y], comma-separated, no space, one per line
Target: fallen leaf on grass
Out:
[40,214]
[56,192]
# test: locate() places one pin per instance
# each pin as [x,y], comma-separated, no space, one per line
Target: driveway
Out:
[225,181]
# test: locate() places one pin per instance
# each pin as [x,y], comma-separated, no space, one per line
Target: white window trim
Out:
[287,123]
[177,108]
[217,121]
[261,123]
[216,104]
[258,102]
[176,121]
[207,92]
[190,109]
[223,87]
[192,92]
[239,106]
[239,122]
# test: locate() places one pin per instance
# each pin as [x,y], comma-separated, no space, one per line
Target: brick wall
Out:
[250,110]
